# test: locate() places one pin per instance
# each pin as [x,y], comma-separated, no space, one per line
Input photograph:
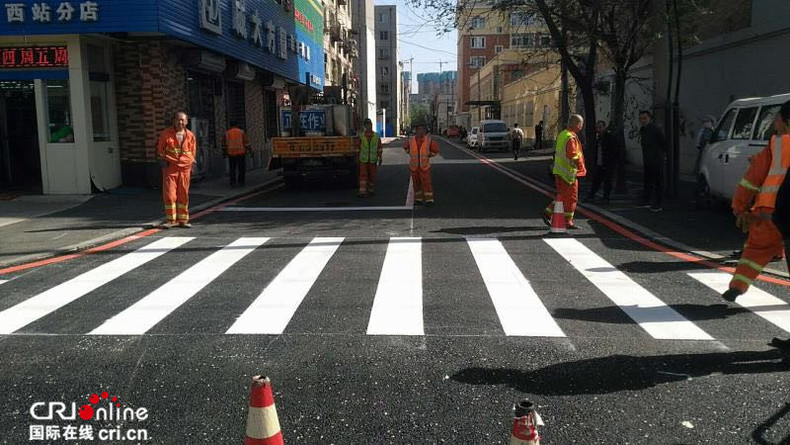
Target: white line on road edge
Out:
[410,193]
[314,209]
[138,318]
[652,314]
[271,312]
[518,306]
[4,281]
[53,299]
[771,308]
[397,307]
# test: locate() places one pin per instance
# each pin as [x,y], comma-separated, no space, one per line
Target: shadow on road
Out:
[615,373]
[484,230]
[614,314]
[759,434]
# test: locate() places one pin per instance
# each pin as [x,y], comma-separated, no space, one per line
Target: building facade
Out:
[388,79]
[340,50]
[364,24]
[87,86]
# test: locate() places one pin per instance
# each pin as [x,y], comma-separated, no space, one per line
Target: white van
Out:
[493,135]
[743,131]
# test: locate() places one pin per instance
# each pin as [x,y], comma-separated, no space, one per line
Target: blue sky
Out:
[417,39]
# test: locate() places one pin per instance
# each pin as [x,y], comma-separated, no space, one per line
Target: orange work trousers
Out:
[367,177]
[423,190]
[569,195]
[175,193]
[763,244]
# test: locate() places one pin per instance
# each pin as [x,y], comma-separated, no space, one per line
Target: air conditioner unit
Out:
[241,71]
[206,61]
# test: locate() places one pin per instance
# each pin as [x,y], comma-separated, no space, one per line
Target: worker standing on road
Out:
[370,156]
[761,184]
[176,153]
[568,166]
[236,146]
[421,148]
[516,136]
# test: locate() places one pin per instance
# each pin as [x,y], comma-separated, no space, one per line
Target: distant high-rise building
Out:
[365,64]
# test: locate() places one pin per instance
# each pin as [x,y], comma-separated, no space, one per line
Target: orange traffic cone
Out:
[558,218]
[525,425]
[263,426]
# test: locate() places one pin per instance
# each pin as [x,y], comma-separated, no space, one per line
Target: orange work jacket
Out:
[236,141]
[420,153]
[764,177]
[182,155]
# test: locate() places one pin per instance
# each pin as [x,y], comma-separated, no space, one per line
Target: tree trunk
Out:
[618,128]
[588,95]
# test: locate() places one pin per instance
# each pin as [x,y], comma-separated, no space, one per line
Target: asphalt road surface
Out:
[383,322]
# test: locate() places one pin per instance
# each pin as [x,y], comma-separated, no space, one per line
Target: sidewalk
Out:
[709,233]
[42,226]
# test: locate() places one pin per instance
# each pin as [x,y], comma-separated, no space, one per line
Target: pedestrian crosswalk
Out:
[398,306]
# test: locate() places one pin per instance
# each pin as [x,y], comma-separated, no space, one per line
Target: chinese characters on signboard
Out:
[34,57]
[43,12]
[247,25]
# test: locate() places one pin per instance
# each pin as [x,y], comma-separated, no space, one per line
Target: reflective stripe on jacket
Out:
[780,159]
[369,148]
[182,155]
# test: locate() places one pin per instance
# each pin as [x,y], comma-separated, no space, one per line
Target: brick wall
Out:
[466,52]
[150,87]
[253,92]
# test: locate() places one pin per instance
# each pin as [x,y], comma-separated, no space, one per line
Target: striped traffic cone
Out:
[263,426]
[525,425]
[558,218]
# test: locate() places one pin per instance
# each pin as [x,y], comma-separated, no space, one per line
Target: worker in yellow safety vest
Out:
[568,166]
[370,157]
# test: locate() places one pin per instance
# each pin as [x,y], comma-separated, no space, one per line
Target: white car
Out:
[743,131]
[493,135]
[471,138]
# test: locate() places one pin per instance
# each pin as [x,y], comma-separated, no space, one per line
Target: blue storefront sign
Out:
[275,35]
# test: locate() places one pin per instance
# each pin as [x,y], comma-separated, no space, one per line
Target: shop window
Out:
[59,120]
[100,110]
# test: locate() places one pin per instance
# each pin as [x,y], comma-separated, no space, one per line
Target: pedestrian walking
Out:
[538,136]
[176,153]
[370,156]
[754,203]
[606,154]
[516,136]
[236,146]
[654,147]
[421,148]
[568,167]
[704,136]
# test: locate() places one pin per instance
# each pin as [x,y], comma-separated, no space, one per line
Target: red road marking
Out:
[122,241]
[541,188]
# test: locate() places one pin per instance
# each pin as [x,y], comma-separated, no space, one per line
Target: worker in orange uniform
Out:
[370,156]
[421,148]
[236,146]
[761,183]
[568,166]
[176,153]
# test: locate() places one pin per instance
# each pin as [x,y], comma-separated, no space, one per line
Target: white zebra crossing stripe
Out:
[3,281]
[771,308]
[153,308]
[518,306]
[653,315]
[32,309]
[397,307]
[271,312]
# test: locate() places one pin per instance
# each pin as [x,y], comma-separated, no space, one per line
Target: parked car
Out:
[493,135]
[743,131]
[471,138]
[452,131]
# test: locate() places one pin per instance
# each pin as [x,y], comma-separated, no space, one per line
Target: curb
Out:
[650,234]
[123,233]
